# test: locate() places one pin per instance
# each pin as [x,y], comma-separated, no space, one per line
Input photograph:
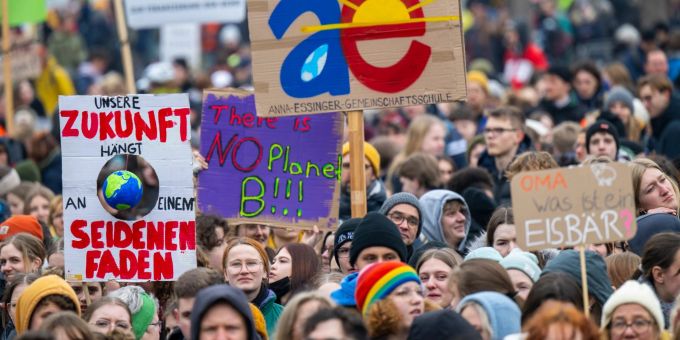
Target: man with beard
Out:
[375,188]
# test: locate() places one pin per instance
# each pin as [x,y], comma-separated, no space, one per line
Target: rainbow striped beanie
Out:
[378,280]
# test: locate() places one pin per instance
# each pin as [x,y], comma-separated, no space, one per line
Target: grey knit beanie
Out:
[619,94]
[403,198]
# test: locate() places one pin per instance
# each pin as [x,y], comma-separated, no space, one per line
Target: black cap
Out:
[344,234]
[602,126]
[560,71]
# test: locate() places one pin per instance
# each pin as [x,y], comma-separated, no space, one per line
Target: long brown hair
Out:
[638,168]
[479,275]
[31,248]
[305,266]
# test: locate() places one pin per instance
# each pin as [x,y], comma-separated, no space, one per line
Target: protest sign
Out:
[26,12]
[147,135]
[329,55]
[567,207]
[181,41]
[155,13]
[25,62]
[277,171]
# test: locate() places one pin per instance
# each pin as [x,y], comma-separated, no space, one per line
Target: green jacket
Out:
[271,312]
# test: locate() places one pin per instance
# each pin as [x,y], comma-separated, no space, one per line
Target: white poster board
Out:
[149,136]
[155,13]
[181,41]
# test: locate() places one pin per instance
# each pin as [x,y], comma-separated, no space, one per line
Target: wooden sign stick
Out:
[7,70]
[125,47]
[584,281]
[356,163]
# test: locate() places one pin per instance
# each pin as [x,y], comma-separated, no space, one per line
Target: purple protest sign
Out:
[280,171]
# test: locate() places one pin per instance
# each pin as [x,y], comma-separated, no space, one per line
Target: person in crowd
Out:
[659,270]
[465,121]
[654,190]
[404,210]
[650,225]
[434,268]
[37,203]
[246,267]
[492,314]
[446,169]
[477,102]
[560,320]
[558,100]
[337,323]
[298,310]
[621,267]
[12,291]
[292,271]
[185,290]
[55,219]
[587,83]
[620,102]
[419,173]
[22,252]
[17,196]
[564,142]
[44,151]
[88,293]
[326,252]
[632,312]
[557,286]
[522,267]
[343,243]
[375,188]
[220,311]
[52,82]
[602,139]
[109,314]
[144,309]
[656,62]
[389,295]
[66,325]
[505,138]
[663,105]
[211,232]
[446,219]
[500,232]
[481,275]
[258,232]
[442,324]
[521,56]
[599,286]
[45,296]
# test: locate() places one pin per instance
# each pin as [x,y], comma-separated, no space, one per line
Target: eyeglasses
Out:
[638,325]
[236,266]
[343,253]
[496,131]
[398,218]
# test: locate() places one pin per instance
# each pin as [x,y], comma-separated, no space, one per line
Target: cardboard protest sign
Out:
[25,62]
[181,41]
[155,13]
[329,55]
[277,171]
[26,12]
[573,206]
[147,135]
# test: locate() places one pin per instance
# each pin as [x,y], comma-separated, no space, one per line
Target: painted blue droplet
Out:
[314,63]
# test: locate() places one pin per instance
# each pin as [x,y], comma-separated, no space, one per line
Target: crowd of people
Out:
[549,84]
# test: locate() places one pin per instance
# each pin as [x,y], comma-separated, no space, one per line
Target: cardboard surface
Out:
[573,206]
[328,55]
[155,13]
[98,136]
[25,62]
[277,171]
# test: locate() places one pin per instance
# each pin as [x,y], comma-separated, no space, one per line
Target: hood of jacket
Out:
[344,296]
[212,295]
[503,313]
[432,204]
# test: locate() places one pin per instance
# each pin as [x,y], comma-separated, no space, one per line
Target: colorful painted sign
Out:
[567,207]
[330,55]
[277,171]
[147,135]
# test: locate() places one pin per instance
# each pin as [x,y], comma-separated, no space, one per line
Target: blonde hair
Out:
[621,267]
[284,327]
[483,317]
[638,168]
[56,204]
[530,161]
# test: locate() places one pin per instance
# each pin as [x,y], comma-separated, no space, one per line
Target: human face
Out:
[655,101]
[434,274]
[624,318]
[621,111]
[409,301]
[245,269]
[555,88]
[475,153]
[58,221]
[656,191]
[258,232]
[466,128]
[580,148]
[16,204]
[445,171]
[109,317]
[15,297]
[407,219]
[329,329]
[304,312]
[585,84]
[505,141]
[470,314]
[41,313]
[345,177]
[222,322]
[375,255]
[282,266]
[183,315]
[412,186]
[327,254]
[521,282]
[343,257]
[668,282]
[286,234]
[433,142]
[40,208]
[153,331]
[656,63]
[12,262]
[505,239]
[476,97]
[603,144]
[88,292]
[217,253]
[453,222]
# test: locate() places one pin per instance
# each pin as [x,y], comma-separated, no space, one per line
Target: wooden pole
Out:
[356,163]
[584,282]
[125,47]
[7,70]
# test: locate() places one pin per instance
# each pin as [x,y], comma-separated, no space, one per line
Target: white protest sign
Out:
[155,13]
[181,41]
[147,135]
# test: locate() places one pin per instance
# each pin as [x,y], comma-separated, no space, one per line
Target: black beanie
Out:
[602,126]
[560,71]
[376,230]
[344,234]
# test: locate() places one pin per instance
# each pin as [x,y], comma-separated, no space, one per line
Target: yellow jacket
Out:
[53,82]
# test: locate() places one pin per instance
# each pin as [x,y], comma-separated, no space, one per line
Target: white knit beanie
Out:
[633,292]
